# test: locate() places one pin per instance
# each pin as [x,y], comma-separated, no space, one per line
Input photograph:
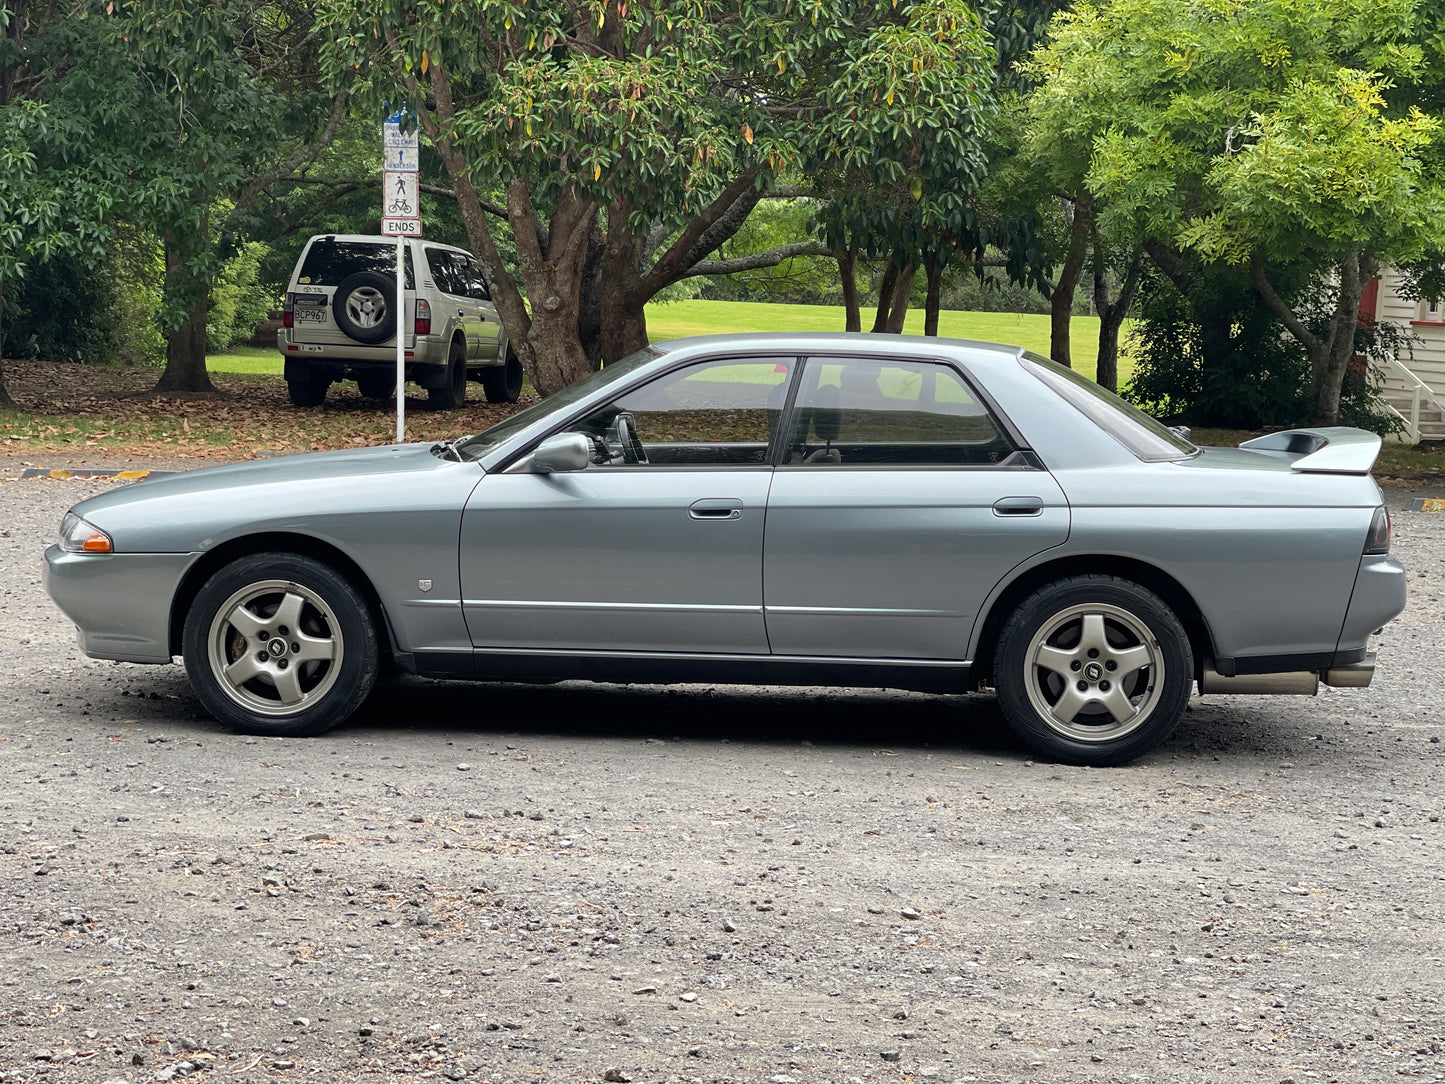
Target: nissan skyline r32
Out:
[769,509]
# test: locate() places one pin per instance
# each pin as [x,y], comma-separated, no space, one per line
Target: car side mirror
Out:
[1180,430]
[562,453]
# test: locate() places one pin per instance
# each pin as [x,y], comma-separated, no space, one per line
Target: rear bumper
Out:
[420,350]
[120,602]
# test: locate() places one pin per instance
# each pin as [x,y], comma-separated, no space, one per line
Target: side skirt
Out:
[674,668]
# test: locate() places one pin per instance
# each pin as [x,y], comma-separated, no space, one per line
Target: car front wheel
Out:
[1093,670]
[279,643]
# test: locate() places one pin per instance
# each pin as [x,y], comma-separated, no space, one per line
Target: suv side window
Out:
[864,412]
[444,271]
[476,281]
[716,413]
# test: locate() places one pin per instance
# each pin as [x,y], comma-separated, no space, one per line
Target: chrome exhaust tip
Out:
[1293,683]
[1354,675]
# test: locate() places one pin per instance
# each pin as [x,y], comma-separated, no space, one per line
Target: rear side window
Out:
[865,412]
[1146,437]
[327,262]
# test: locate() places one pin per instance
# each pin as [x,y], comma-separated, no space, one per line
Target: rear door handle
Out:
[716,508]
[1018,506]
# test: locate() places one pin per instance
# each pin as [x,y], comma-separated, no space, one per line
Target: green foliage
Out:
[239,301]
[137,274]
[1215,357]
[1258,125]
[61,311]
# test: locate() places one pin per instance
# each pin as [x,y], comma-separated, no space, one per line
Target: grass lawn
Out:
[683,318]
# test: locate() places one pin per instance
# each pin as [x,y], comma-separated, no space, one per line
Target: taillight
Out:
[1378,540]
[422,324]
[288,315]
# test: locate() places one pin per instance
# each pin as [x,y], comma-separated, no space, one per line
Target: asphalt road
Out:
[582,883]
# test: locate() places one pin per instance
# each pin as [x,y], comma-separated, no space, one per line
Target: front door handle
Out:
[716,508]
[1018,506]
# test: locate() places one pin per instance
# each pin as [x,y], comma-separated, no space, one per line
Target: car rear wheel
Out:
[453,393]
[309,391]
[1093,670]
[364,307]
[503,383]
[279,643]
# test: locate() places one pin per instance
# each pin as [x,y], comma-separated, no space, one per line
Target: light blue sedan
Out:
[771,509]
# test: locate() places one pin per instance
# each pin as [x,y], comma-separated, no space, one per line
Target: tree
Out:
[1254,133]
[629,140]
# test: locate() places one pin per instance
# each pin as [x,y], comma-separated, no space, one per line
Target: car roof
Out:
[380,238]
[851,342]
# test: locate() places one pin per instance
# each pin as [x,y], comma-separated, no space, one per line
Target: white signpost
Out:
[401,218]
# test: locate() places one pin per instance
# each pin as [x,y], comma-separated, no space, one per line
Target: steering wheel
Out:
[632,450]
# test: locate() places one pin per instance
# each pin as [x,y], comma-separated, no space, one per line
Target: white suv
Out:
[340,322]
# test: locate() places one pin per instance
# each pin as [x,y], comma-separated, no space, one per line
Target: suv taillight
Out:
[1378,540]
[422,324]
[288,317]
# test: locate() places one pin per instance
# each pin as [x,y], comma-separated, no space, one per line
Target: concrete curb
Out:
[1427,504]
[92,472]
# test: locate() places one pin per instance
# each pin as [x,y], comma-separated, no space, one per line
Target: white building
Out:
[1415,383]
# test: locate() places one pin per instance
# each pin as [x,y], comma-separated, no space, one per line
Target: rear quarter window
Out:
[1146,437]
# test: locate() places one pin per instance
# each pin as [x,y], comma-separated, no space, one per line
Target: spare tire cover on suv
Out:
[363,307]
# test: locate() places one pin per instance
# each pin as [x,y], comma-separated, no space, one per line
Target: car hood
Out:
[195,510]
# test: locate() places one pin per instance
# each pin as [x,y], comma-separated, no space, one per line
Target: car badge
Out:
[425,585]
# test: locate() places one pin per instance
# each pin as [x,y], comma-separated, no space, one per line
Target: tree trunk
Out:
[1329,356]
[1061,301]
[1111,315]
[624,314]
[901,291]
[185,369]
[885,298]
[934,271]
[6,403]
[848,273]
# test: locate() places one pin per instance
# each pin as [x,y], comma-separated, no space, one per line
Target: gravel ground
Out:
[584,883]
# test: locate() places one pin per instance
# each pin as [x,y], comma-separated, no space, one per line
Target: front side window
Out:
[717,413]
[867,412]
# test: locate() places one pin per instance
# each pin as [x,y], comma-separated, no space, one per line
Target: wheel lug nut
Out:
[1083,686]
[281,631]
[261,656]
[1093,652]
[281,663]
[1103,686]
[1111,666]
[295,647]
[1075,664]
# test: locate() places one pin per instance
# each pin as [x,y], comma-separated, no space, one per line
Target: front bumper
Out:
[120,602]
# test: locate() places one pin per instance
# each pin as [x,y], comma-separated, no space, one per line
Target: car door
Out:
[657,545]
[449,272]
[489,324]
[901,502]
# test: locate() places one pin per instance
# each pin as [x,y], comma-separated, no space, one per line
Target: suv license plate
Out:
[308,314]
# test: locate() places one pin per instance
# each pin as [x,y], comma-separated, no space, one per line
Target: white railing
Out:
[1420,393]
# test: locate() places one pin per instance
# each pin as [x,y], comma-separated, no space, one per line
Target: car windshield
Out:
[471,448]
[1146,437]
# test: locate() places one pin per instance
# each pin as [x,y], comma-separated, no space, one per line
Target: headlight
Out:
[78,536]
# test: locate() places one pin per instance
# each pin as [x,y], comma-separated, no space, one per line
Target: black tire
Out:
[377,385]
[364,307]
[315,663]
[453,393]
[503,383]
[308,392]
[1104,646]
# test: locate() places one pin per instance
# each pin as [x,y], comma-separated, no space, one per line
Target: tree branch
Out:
[347,186]
[1276,303]
[307,152]
[770,258]
[1166,262]
[677,259]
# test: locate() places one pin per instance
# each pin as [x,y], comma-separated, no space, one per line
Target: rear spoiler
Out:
[1331,450]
